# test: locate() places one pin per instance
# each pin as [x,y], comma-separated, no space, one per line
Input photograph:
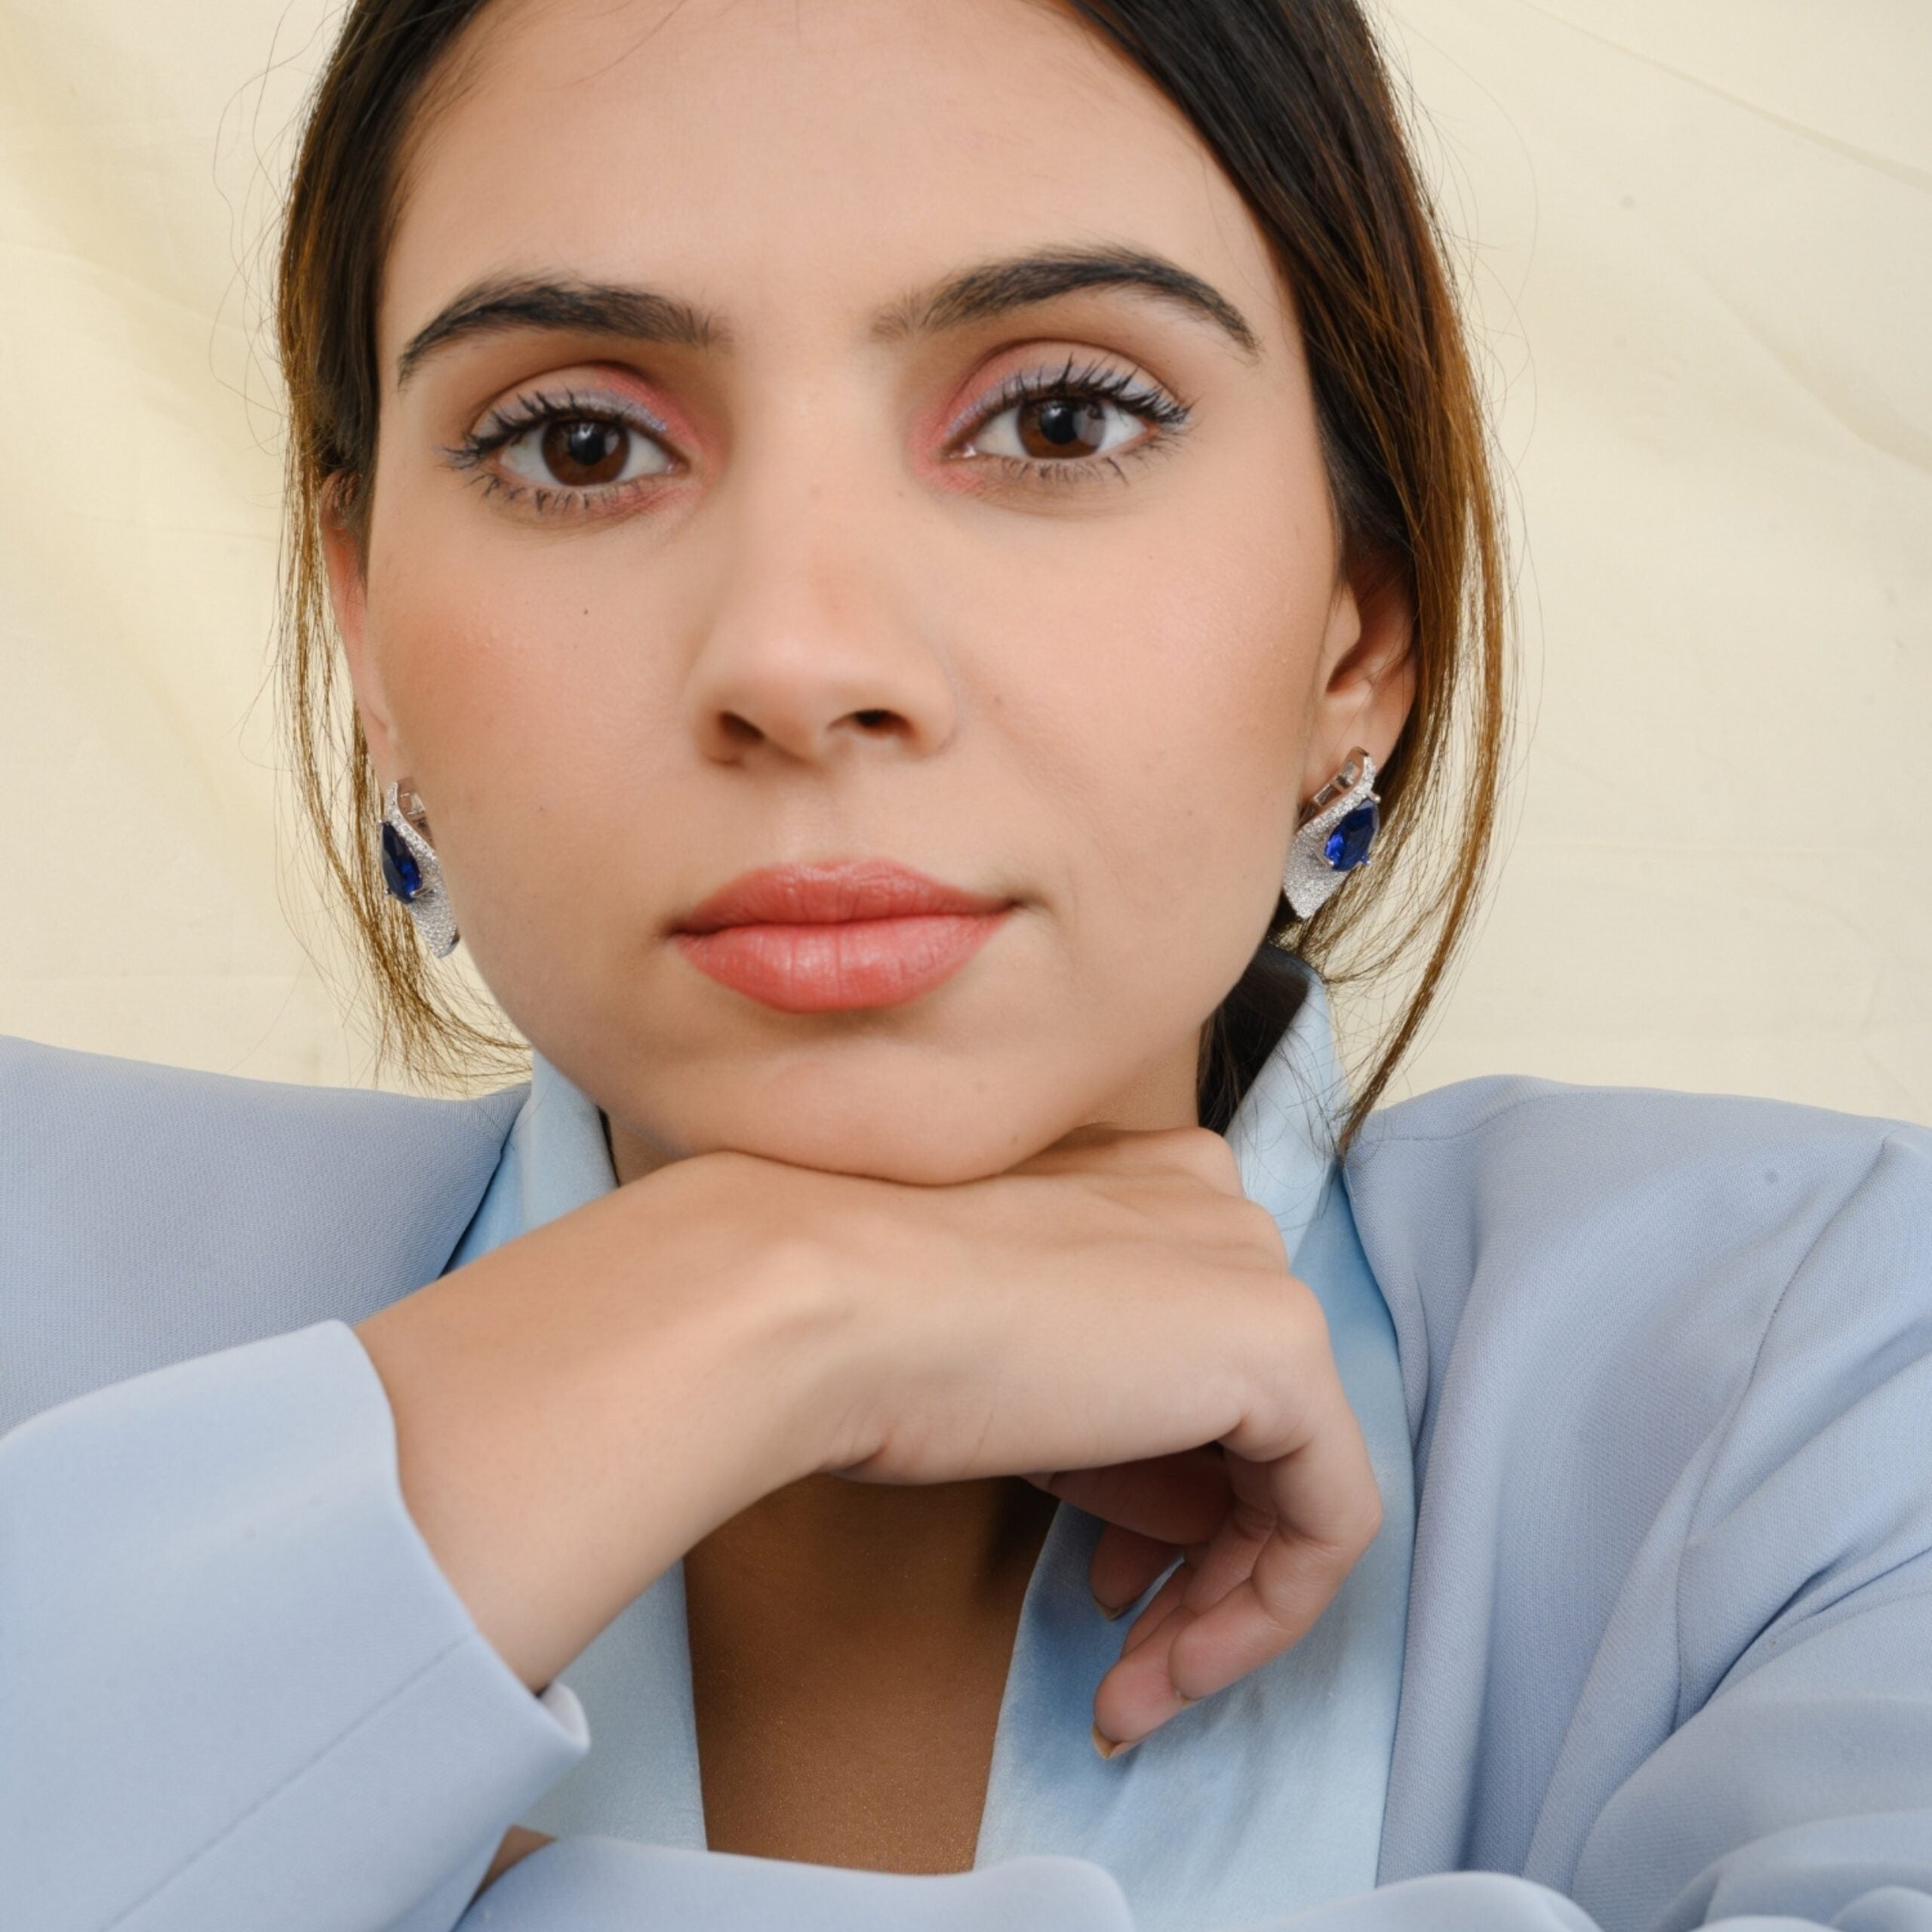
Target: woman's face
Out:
[785,462]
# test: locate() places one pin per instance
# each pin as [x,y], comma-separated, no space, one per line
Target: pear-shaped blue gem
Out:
[1348,845]
[401,873]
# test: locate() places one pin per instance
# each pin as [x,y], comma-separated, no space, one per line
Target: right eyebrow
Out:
[991,289]
[580,308]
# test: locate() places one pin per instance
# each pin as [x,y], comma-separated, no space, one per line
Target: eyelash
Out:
[1166,415]
[537,411]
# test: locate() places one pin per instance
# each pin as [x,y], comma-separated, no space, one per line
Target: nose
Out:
[812,653]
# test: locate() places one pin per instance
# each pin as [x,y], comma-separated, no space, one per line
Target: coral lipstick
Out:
[836,937]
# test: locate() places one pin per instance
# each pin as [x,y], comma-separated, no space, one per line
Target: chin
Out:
[887,1157]
[924,1147]
[959,1125]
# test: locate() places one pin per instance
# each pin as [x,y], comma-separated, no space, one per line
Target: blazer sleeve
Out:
[597,1884]
[236,1691]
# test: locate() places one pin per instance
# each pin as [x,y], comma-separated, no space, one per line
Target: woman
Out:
[906,572]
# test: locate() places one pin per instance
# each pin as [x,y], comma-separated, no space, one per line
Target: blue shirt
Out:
[1665,1379]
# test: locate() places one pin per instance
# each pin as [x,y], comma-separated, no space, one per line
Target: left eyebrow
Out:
[504,303]
[996,288]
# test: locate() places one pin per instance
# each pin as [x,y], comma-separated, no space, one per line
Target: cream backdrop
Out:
[1700,239]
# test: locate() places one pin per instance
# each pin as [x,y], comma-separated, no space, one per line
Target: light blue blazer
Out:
[1661,1389]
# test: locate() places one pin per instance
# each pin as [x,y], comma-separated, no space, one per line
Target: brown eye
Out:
[581,454]
[1061,426]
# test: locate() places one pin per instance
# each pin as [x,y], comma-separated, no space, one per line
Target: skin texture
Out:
[829,622]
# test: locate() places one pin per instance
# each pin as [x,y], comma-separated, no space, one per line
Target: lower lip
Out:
[844,966]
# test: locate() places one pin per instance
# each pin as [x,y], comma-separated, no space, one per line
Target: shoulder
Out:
[56,1084]
[1668,1358]
[1644,1218]
[149,1212]
[1494,1112]
[112,1130]
[1539,1160]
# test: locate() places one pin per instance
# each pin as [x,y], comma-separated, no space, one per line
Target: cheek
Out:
[522,706]
[1171,718]
[514,689]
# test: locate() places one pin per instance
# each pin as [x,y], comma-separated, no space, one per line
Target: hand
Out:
[1115,1320]
[578,1408]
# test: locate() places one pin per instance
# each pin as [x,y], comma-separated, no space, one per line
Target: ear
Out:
[345,552]
[1366,680]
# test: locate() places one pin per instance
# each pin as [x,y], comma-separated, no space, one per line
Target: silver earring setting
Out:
[411,872]
[1336,835]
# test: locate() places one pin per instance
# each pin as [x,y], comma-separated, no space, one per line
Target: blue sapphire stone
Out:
[401,873]
[1348,843]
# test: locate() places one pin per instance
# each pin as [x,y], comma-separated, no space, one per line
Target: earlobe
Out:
[344,554]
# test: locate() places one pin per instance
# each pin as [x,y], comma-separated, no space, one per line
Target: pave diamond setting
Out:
[412,874]
[1337,836]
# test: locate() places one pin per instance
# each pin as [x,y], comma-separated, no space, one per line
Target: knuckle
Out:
[1286,1321]
[1373,1516]
[1361,1523]
[1362,1510]
[1216,1157]
[1304,1318]
[1259,1227]
[1202,1153]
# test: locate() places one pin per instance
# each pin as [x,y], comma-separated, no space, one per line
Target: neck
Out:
[868,1556]
[849,1644]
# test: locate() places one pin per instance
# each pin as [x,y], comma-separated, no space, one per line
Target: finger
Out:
[1160,1673]
[1137,1695]
[1262,1582]
[1177,1499]
[1126,1564]
[1230,1553]
[1167,1600]
[1238,1622]
[1311,1470]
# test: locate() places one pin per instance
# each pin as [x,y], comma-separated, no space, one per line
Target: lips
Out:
[837,937]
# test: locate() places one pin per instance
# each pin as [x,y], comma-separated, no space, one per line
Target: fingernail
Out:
[1111,1612]
[1109,1747]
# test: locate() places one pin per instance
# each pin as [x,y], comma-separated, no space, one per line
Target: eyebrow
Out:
[500,304]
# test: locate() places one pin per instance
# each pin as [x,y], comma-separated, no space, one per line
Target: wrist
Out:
[808,1297]
[577,1408]
[778,1310]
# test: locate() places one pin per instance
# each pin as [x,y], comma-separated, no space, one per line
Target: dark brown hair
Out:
[1294,100]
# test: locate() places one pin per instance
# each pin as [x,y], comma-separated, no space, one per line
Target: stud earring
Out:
[411,872]
[1336,831]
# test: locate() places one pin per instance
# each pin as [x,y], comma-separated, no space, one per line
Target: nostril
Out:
[876,721]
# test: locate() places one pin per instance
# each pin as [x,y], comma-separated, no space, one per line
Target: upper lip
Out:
[829,894]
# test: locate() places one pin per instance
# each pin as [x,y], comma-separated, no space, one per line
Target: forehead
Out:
[798,162]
